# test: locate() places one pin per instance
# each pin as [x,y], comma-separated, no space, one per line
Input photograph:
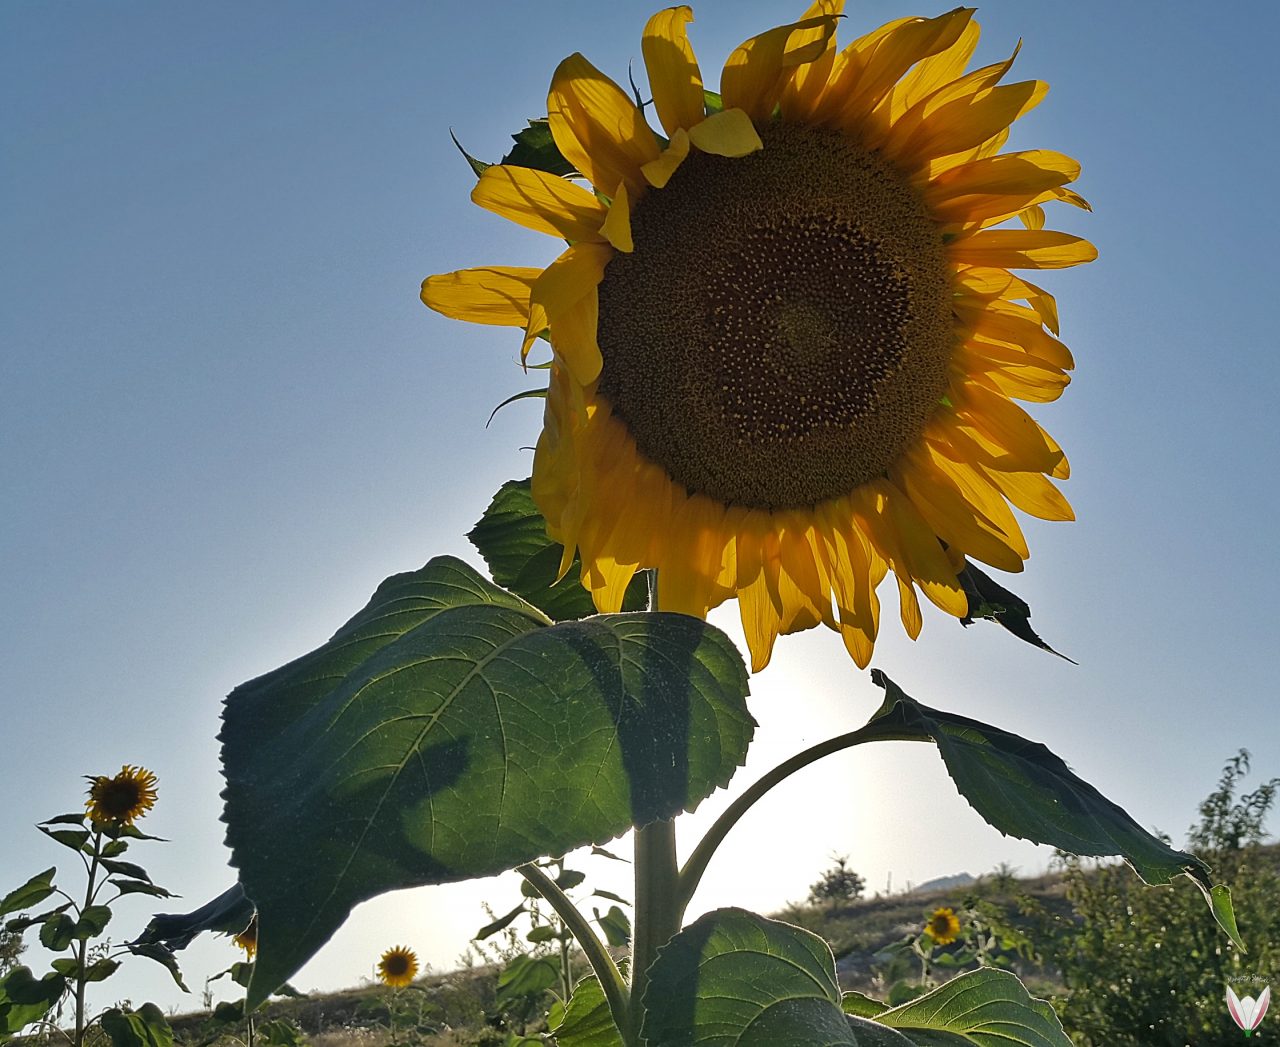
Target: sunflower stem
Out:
[615,989]
[658,910]
[691,875]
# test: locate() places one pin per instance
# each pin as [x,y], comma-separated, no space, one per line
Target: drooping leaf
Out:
[24,1000]
[140,887]
[569,879]
[73,838]
[115,848]
[983,1008]
[616,926]
[536,148]
[450,731]
[129,869]
[544,932]
[732,977]
[228,913]
[526,976]
[145,1027]
[1024,790]
[512,538]
[162,956]
[500,924]
[30,894]
[587,1021]
[610,896]
[75,818]
[97,971]
[601,852]
[991,600]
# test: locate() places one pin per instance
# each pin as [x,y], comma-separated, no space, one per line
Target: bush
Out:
[1147,966]
[838,884]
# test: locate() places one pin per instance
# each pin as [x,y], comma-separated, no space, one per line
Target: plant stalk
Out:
[691,875]
[658,910]
[615,989]
[82,953]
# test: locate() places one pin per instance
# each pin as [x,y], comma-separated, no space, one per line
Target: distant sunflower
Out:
[248,938]
[943,926]
[121,800]
[398,967]
[786,340]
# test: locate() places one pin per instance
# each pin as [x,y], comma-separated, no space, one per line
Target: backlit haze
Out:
[227,417]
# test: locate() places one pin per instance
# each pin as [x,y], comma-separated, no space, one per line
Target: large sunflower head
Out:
[786,334]
[398,967]
[123,799]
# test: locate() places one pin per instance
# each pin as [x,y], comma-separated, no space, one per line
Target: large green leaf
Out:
[1024,790]
[24,1000]
[449,731]
[587,1021]
[984,1008]
[735,979]
[512,538]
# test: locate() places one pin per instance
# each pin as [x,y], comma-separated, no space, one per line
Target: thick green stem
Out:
[658,911]
[691,875]
[615,989]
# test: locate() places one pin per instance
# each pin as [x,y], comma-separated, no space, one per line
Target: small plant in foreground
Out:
[98,836]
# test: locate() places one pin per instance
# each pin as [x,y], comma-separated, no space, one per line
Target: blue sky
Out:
[227,417]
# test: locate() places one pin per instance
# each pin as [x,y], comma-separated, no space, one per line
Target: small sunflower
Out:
[943,926]
[786,335]
[398,967]
[248,938]
[121,800]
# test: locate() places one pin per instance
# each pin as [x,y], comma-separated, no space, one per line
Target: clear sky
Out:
[226,417]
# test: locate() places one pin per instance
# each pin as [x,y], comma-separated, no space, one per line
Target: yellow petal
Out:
[617,224]
[963,510]
[727,133]
[1032,493]
[759,621]
[1010,371]
[1003,284]
[1008,426]
[965,122]
[807,82]
[674,77]
[753,75]
[494,294]
[566,290]
[877,68]
[658,172]
[1006,323]
[540,201]
[933,72]
[1032,217]
[1022,249]
[598,128]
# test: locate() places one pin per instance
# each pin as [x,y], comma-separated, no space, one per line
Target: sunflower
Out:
[943,927]
[786,338]
[248,938]
[398,967]
[121,800]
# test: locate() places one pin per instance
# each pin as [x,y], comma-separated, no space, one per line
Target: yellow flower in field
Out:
[123,799]
[248,938]
[943,927]
[398,967]
[786,336]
